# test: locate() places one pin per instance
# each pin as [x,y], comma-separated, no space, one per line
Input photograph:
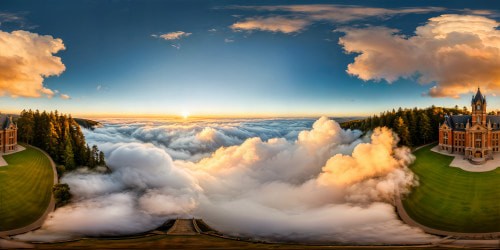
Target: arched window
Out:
[478,107]
[478,119]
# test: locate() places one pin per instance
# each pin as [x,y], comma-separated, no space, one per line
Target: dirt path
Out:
[50,208]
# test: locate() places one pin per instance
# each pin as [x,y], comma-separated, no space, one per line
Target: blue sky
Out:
[113,64]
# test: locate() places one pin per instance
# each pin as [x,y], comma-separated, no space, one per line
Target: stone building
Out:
[475,136]
[8,134]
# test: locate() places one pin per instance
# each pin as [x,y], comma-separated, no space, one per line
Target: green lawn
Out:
[25,188]
[451,199]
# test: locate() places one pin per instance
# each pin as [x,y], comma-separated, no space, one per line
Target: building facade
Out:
[8,134]
[475,136]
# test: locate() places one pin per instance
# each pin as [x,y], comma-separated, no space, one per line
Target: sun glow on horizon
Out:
[185,114]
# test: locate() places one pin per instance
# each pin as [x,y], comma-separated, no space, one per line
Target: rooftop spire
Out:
[478,96]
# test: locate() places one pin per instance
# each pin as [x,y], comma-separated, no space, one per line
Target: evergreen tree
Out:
[402,130]
[102,162]
[60,136]
[61,194]
[425,128]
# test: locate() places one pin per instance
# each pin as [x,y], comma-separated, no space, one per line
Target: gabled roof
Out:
[478,97]
[457,122]
[6,121]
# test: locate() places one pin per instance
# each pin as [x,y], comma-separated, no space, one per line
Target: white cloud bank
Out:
[456,53]
[25,60]
[326,185]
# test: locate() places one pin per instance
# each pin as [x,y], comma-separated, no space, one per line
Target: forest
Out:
[61,137]
[414,126]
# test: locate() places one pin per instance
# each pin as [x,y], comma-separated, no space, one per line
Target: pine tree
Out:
[402,130]
[424,125]
[101,159]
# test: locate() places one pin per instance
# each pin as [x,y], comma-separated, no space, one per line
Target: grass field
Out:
[25,188]
[451,199]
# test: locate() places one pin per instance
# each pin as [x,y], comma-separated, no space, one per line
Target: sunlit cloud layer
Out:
[279,188]
[197,139]
[294,18]
[25,60]
[455,53]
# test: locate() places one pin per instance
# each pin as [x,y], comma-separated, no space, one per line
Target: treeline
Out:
[414,126]
[61,137]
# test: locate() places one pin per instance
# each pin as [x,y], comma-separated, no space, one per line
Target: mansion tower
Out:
[475,136]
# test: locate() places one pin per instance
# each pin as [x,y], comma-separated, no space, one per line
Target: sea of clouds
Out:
[275,179]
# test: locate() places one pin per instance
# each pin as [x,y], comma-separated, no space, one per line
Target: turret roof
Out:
[478,97]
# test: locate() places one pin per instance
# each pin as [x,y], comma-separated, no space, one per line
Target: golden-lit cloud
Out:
[456,53]
[368,160]
[65,97]
[25,60]
[295,18]
[273,24]
[176,35]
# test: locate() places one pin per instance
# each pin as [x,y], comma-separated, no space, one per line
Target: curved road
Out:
[50,208]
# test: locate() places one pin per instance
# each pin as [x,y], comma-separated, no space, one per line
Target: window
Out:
[478,119]
[478,107]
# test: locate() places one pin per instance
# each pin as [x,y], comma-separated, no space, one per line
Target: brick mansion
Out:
[475,136]
[8,134]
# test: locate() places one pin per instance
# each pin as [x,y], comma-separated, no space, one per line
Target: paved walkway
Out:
[183,227]
[3,162]
[460,162]
[50,208]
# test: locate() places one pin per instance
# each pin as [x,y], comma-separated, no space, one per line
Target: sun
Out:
[185,114]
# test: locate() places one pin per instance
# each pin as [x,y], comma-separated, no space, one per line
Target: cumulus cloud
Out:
[455,53]
[25,60]
[377,158]
[176,35]
[295,189]
[295,18]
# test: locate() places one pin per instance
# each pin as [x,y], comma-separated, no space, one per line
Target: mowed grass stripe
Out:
[25,188]
[452,199]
